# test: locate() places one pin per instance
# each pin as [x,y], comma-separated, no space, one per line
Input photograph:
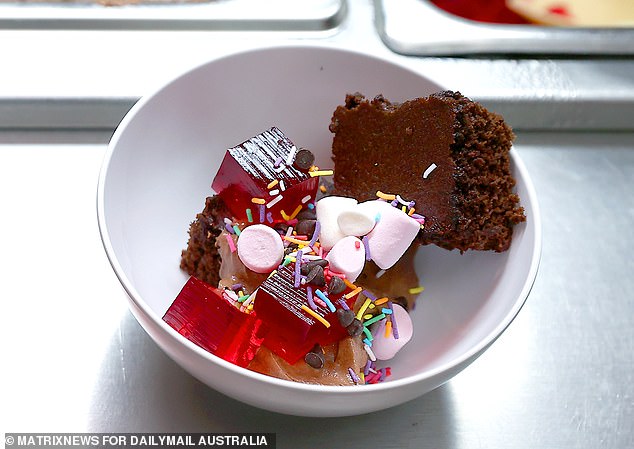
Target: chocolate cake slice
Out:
[202,257]
[445,152]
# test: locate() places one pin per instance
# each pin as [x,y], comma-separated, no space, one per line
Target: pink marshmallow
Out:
[260,248]
[385,348]
[392,235]
[347,257]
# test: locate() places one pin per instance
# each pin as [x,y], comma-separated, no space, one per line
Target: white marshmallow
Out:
[373,208]
[347,257]
[356,221]
[385,348]
[392,235]
[328,210]
[260,248]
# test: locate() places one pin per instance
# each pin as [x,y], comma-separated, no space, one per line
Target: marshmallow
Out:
[328,210]
[384,348]
[356,221]
[347,257]
[373,208]
[260,248]
[392,235]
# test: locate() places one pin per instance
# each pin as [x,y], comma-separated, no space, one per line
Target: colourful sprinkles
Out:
[298,264]
[371,321]
[315,315]
[428,171]
[363,308]
[385,196]
[309,297]
[368,350]
[354,376]
[291,155]
[320,173]
[366,244]
[274,201]
[262,211]
[388,328]
[315,235]
[325,299]
[231,244]
[354,292]
[393,321]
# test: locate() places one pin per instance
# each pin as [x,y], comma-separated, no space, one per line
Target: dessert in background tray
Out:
[564,13]
[419,27]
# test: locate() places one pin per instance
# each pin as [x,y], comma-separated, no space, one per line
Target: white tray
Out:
[229,15]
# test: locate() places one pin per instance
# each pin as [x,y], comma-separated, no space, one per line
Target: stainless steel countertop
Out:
[560,377]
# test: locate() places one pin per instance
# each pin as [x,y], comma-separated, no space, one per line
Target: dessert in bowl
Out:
[159,168]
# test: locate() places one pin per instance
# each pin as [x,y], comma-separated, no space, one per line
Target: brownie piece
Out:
[445,152]
[202,258]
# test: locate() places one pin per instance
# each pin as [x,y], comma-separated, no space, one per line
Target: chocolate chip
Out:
[336,285]
[315,358]
[355,328]
[307,214]
[281,227]
[316,276]
[306,267]
[304,159]
[306,227]
[401,301]
[345,317]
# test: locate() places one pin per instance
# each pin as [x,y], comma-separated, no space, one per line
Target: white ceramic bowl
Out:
[158,171]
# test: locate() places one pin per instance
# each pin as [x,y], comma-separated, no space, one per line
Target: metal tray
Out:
[417,27]
[224,15]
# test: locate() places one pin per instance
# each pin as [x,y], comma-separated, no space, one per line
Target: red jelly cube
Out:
[203,316]
[291,330]
[249,168]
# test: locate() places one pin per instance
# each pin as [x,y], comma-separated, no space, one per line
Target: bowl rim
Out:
[136,299]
